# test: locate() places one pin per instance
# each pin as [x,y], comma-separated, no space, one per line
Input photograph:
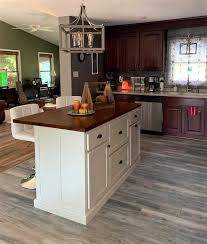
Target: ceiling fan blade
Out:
[19,28]
[33,30]
[46,30]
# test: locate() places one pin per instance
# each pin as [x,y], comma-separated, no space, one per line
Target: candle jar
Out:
[76,106]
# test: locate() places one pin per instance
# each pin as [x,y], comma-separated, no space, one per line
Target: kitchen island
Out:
[81,161]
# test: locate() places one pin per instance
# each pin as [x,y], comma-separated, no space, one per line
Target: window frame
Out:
[19,68]
[52,63]
[171,82]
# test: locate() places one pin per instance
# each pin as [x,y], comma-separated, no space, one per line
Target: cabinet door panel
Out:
[122,52]
[111,54]
[173,119]
[97,174]
[152,51]
[132,53]
[134,143]
[118,163]
[194,124]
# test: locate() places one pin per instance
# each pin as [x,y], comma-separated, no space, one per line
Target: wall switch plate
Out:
[75,74]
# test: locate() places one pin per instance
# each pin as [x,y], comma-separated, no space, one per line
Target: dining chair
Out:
[65,101]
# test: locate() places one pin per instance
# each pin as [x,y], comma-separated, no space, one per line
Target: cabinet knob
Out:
[99,136]
[109,146]
[136,126]
[135,116]
[120,162]
[120,132]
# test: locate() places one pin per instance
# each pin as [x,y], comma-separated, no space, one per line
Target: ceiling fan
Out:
[34,28]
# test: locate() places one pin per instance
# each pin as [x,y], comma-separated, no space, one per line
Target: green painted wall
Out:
[29,47]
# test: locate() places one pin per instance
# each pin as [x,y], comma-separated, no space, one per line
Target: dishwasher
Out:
[152,113]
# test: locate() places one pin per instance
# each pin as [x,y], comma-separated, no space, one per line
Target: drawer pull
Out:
[121,162]
[120,132]
[99,136]
[109,146]
[136,126]
[135,116]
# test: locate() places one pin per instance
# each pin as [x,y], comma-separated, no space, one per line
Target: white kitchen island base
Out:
[78,171]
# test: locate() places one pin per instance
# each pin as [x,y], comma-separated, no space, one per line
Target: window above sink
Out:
[187,57]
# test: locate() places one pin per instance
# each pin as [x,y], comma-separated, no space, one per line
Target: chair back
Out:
[21,94]
[20,131]
[65,101]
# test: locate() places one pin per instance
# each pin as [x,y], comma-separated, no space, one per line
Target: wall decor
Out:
[94,62]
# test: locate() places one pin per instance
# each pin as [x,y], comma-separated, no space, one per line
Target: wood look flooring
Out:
[163,201]
[13,152]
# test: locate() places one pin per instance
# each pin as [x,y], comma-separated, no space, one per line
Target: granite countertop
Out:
[160,94]
[59,118]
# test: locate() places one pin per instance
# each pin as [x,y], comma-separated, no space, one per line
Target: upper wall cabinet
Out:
[128,50]
[111,53]
[122,51]
[132,52]
[152,51]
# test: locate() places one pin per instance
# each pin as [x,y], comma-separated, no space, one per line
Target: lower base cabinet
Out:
[172,119]
[97,173]
[194,124]
[112,149]
[185,117]
[118,163]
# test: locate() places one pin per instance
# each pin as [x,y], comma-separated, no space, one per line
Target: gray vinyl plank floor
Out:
[163,201]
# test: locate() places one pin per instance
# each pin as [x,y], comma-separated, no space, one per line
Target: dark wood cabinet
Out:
[185,117]
[152,51]
[122,49]
[173,120]
[111,53]
[122,53]
[133,50]
[194,124]
[132,53]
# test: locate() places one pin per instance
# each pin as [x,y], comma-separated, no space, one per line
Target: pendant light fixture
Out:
[81,35]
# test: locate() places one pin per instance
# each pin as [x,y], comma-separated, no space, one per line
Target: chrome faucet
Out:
[188,89]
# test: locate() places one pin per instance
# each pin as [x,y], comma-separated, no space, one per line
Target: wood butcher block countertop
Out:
[59,118]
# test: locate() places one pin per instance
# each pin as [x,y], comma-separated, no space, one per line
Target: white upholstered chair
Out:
[65,101]
[25,133]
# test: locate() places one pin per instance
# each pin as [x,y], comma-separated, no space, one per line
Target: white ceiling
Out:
[46,12]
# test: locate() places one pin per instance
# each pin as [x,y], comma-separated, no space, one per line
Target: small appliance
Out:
[137,83]
[153,83]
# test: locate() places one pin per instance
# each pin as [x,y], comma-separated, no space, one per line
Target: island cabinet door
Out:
[97,174]
[134,142]
[118,163]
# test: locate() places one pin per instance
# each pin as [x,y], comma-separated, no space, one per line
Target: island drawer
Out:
[118,163]
[97,137]
[135,116]
[118,132]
